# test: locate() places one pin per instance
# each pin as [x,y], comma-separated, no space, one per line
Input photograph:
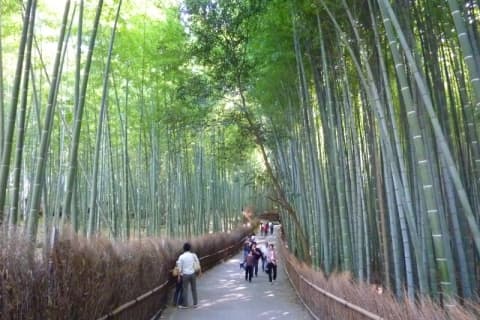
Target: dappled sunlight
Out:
[227,298]
[233,261]
[276,314]
[239,288]
[235,285]
[225,294]
[229,284]
[269,293]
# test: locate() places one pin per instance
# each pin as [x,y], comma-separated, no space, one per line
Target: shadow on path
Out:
[223,293]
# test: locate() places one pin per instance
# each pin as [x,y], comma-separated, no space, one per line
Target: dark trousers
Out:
[192,280]
[177,297]
[255,268]
[272,271]
[248,273]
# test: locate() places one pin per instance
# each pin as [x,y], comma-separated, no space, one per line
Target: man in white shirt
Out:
[264,249]
[186,264]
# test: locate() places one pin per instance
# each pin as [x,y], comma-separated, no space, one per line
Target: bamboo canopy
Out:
[356,122]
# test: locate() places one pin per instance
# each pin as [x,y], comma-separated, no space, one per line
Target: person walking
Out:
[271,263]
[187,264]
[264,250]
[177,297]
[249,263]
[257,254]
[246,250]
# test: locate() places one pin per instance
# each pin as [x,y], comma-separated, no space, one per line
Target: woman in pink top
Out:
[271,263]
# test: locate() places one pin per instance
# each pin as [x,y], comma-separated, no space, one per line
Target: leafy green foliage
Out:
[9,6]
[271,52]
[222,30]
[236,147]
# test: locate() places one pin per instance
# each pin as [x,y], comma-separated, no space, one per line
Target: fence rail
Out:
[320,303]
[207,261]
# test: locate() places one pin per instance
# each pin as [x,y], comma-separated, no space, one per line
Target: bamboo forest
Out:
[129,126]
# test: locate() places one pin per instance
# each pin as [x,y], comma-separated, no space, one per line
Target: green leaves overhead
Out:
[151,47]
[222,30]
[337,100]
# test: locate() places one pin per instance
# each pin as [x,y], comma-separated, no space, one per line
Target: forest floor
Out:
[223,293]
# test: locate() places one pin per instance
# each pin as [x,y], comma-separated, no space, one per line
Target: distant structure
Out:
[269,216]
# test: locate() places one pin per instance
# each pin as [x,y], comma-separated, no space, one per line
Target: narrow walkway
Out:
[223,293]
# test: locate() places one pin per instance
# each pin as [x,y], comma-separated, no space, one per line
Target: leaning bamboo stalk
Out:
[79,115]
[439,135]
[38,184]
[100,124]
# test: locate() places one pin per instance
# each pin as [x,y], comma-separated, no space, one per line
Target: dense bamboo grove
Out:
[385,104]
[369,113]
[358,119]
[106,126]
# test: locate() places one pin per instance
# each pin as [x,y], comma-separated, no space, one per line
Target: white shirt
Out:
[264,250]
[186,262]
[271,256]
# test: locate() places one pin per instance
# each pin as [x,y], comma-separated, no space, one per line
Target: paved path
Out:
[223,293]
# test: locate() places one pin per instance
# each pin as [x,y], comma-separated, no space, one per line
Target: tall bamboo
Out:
[441,141]
[38,181]
[13,218]
[73,160]
[8,138]
[2,93]
[100,125]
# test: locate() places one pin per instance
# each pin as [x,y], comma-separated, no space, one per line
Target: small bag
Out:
[175,271]
[196,266]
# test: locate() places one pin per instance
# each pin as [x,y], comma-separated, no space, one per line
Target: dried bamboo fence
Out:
[320,303]
[155,300]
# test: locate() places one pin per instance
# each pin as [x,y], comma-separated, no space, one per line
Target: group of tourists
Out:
[265,228]
[187,267]
[252,255]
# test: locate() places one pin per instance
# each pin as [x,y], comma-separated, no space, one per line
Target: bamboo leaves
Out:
[371,103]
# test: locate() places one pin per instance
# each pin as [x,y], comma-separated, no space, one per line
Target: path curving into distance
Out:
[223,293]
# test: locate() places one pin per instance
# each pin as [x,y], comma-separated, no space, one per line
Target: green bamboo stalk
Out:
[69,208]
[13,218]
[100,124]
[441,141]
[38,181]
[2,93]
[372,94]
[8,138]
[468,53]
[79,111]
